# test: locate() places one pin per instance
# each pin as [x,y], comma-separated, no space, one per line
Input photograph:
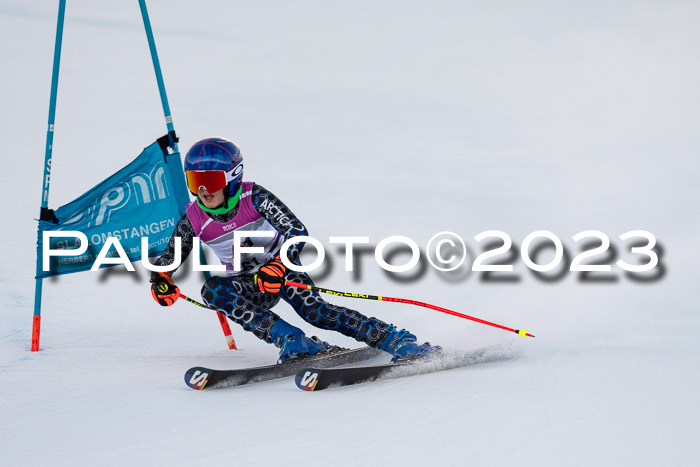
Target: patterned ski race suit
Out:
[237,295]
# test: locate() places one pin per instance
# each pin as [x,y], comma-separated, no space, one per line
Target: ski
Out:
[200,377]
[316,379]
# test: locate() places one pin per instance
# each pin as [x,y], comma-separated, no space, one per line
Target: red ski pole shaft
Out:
[222,319]
[521,333]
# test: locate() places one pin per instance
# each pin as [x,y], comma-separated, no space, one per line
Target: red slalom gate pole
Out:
[36,330]
[222,319]
[521,333]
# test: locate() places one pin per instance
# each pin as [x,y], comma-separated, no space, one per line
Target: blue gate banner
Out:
[144,199]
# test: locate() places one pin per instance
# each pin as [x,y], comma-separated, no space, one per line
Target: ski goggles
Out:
[211,180]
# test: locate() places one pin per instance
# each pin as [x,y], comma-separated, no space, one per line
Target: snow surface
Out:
[376,119]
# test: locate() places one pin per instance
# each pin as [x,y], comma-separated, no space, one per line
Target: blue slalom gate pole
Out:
[173,139]
[159,75]
[161,89]
[36,326]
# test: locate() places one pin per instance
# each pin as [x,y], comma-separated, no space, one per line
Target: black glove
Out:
[270,277]
[164,291]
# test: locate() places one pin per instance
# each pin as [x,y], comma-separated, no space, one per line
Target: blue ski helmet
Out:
[219,155]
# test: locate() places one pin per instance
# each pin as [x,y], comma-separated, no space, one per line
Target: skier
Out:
[214,172]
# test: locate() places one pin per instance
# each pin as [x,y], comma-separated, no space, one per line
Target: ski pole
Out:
[222,319]
[522,332]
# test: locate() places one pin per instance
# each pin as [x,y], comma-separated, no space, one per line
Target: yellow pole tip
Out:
[523,333]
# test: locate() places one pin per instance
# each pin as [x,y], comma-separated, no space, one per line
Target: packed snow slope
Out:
[370,119]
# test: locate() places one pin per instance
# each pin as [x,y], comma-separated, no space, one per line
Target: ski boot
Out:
[293,343]
[403,346]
